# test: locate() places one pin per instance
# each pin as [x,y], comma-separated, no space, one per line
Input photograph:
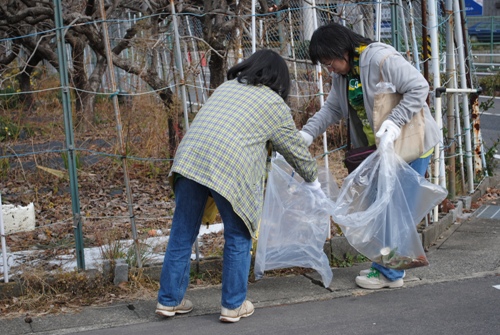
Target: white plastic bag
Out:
[295,223]
[379,206]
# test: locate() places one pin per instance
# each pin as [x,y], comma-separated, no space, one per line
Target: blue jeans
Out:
[420,165]
[190,200]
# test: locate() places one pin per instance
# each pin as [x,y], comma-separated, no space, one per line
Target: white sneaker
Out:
[185,306]
[367,271]
[234,315]
[375,280]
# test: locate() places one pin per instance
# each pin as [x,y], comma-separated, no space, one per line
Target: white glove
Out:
[315,188]
[308,138]
[387,133]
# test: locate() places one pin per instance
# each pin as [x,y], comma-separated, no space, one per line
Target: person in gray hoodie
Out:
[355,64]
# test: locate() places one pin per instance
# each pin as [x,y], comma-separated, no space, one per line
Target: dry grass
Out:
[69,292]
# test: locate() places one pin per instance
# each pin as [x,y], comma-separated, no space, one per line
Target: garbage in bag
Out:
[379,207]
[295,222]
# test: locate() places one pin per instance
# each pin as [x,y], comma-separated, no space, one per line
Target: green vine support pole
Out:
[68,130]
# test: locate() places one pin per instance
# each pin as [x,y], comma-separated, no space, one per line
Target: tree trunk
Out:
[84,104]
[218,71]
[24,80]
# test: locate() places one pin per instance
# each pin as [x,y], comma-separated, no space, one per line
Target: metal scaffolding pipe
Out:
[4,246]
[320,91]
[178,61]
[450,83]
[459,137]
[378,19]
[416,57]
[405,33]
[433,27]
[465,103]
[197,61]
[254,28]
[292,44]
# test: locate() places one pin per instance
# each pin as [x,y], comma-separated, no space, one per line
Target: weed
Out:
[490,84]
[78,162]
[110,246]
[4,167]
[153,171]
[8,129]
[348,260]
[145,252]
[9,98]
[491,161]
[206,277]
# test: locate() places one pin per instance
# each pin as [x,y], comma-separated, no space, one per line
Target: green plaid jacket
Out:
[225,147]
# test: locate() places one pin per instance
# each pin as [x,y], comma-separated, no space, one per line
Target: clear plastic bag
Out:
[379,206]
[385,87]
[295,222]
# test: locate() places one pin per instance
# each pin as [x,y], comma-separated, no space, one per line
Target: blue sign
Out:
[474,7]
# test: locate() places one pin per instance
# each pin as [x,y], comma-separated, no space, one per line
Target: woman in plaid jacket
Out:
[224,155]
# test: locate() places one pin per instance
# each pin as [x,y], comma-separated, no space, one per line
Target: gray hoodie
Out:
[396,70]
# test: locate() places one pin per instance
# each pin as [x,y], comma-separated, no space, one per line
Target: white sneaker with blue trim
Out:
[375,280]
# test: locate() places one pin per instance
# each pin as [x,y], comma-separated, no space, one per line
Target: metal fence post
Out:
[68,129]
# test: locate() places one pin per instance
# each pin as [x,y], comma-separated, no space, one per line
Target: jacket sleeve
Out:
[330,113]
[287,140]
[410,83]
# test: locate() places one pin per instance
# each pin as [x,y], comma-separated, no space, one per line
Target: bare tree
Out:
[28,30]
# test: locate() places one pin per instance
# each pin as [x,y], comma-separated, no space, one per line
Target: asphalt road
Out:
[490,124]
[469,306]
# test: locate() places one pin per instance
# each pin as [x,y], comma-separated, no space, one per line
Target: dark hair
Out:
[332,41]
[264,67]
